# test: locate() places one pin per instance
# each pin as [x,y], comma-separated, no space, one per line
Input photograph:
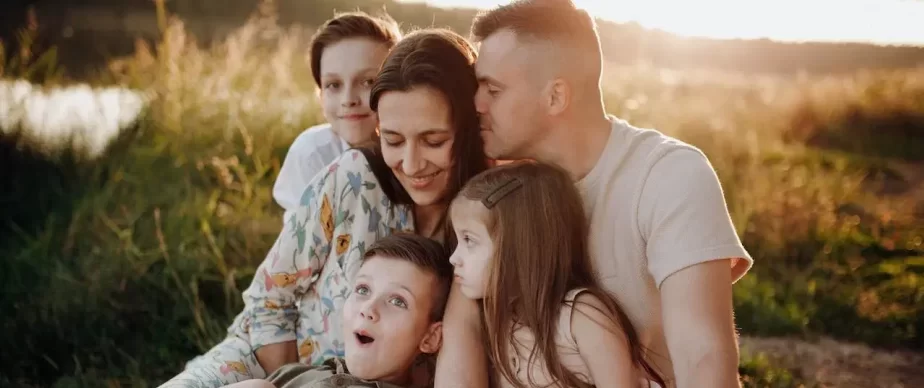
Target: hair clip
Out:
[501,191]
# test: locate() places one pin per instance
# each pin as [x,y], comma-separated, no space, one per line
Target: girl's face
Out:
[475,250]
[348,69]
[417,135]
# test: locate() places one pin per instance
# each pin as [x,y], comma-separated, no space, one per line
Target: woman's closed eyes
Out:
[395,141]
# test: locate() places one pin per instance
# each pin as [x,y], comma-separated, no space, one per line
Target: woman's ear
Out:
[432,341]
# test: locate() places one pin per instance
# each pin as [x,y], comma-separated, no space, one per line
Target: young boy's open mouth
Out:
[363,337]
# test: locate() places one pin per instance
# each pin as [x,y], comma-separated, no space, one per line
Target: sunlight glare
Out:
[883,21]
[791,20]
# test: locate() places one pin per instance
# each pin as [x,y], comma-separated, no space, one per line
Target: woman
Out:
[430,146]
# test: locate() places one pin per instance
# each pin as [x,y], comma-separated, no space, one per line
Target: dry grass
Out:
[830,363]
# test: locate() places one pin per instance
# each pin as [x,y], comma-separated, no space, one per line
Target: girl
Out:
[521,234]
[430,146]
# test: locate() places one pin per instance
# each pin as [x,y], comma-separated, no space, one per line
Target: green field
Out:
[117,270]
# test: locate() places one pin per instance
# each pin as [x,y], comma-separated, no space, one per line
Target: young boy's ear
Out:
[432,341]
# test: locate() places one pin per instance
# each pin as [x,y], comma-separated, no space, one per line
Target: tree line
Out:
[82,47]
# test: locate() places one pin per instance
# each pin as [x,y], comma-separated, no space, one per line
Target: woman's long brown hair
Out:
[539,232]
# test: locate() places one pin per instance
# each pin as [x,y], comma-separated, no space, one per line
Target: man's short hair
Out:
[427,254]
[539,20]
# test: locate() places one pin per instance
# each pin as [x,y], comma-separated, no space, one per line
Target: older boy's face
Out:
[348,69]
[386,320]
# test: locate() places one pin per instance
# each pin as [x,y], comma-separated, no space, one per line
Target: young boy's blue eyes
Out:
[398,302]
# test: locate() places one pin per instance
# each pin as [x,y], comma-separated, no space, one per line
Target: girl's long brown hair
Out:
[539,232]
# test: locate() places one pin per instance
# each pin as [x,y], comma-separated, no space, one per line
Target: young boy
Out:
[346,53]
[392,317]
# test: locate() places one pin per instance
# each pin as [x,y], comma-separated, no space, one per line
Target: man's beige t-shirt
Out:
[655,207]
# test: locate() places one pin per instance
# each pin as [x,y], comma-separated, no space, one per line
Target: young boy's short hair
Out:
[426,254]
[348,25]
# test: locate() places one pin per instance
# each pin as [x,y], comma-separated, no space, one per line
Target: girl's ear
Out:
[433,339]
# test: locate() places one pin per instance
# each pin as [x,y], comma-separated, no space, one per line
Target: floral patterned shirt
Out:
[298,291]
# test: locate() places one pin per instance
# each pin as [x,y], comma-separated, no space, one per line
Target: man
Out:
[660,234]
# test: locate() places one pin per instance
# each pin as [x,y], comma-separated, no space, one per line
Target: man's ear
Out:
[558,96]
[432,341]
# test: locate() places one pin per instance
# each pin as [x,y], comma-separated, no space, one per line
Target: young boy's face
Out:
[348,69]
[386,320]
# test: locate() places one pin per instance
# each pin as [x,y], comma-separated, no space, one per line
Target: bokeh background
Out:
[139,140]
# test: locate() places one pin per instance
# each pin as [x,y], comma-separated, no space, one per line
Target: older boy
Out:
[346,53]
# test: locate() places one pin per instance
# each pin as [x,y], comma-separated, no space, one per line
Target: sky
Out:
[875,21]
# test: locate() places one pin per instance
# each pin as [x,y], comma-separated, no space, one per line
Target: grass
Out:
[118,270]
[828,363]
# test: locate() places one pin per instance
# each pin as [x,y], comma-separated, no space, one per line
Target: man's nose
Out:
[481,103]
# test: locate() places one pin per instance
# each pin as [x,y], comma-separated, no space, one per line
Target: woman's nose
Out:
[412,163]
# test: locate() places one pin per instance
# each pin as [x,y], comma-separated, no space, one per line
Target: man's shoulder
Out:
[636,150]
[640,159]
[649,142]
[671,159]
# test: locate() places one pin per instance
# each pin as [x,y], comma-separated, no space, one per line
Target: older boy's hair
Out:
[539,20]
[426,254]
[348,25]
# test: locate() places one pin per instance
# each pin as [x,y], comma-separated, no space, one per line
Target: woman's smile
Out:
[420,182]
